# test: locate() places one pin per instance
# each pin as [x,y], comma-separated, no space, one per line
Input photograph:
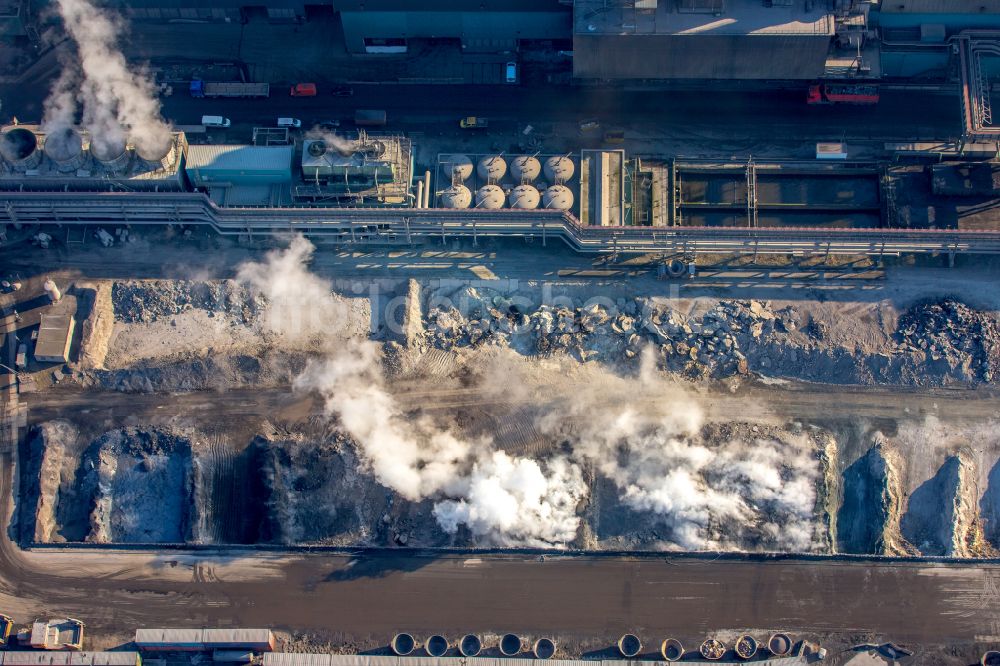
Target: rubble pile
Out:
[147,301]
[965,340]
[712,344]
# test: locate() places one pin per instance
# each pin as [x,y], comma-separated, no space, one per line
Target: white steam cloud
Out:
[502,500]
[710,494]
[118,103]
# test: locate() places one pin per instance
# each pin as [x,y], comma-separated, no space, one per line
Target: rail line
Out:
[403,226]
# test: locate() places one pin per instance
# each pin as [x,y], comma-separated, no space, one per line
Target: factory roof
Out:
[451,5]
[737,17]
[934,7]
[65,658]
[239,157]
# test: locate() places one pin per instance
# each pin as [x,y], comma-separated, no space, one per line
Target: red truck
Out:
[842,93]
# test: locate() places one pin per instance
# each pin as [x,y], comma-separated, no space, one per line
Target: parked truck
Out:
[842,93]
[201,88]
[369,118]
[474,122]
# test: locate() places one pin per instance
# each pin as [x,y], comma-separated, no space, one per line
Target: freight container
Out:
[201,88]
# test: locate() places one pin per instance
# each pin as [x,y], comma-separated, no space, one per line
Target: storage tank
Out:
[52,291]
[492,168]
[113,154]
[559,169]
[156,155]
[489,196]
[20,148]
[525,168]
[524,197]
[558,197]
[456,196]
[459,166]
[64,147]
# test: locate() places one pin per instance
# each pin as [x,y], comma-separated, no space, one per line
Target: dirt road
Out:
[362,600]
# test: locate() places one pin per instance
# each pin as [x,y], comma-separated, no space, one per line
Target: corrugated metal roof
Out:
[157,636]
[240,637]
[54,336]
[58,658]
[239,158]
[293,659]
[935,7]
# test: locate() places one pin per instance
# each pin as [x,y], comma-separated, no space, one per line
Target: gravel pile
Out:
[709,345]
[952,333]
[148,301]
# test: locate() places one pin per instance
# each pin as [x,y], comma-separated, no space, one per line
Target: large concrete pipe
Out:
[672,649]
[712,649]
[629,645]
[470,645]
[510,645]
[746,646]
[403,644]
[779,644]
[436,646]
[544,648]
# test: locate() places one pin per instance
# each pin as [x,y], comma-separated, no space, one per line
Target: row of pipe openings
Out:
[471,645]
[745,647]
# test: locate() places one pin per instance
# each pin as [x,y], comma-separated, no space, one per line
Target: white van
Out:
[289,122]
[215,121]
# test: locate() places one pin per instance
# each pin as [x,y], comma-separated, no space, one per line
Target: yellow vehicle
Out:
[474,122]
[6,624]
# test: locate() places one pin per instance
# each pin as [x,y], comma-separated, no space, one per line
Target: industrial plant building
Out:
[630,41]
[73,159]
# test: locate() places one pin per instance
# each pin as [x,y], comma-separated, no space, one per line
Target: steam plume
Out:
[118,103]
[503,500]
[711,494]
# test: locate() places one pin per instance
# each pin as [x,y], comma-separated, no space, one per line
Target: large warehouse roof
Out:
[242,158]
[738,17]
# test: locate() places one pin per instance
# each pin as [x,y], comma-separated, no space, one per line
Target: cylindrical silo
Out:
[489,196]
[524,197]
[65,148]
[459,166]
[492,168]
[52,291]
[20,148]
[558,197]
[113,154]
[456,196]
[156,154]
[525,168]
[559,169]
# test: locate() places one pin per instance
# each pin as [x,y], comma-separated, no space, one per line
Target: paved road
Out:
[688,115]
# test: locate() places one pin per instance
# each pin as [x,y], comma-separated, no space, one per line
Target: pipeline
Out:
[391,226]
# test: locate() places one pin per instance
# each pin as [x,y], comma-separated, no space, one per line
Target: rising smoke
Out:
[118,103]
[501,499]
[341,144]
[709,494]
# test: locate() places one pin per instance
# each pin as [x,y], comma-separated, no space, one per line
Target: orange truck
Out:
[304,90]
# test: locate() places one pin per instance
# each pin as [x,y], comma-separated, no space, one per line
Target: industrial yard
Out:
[592,332]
